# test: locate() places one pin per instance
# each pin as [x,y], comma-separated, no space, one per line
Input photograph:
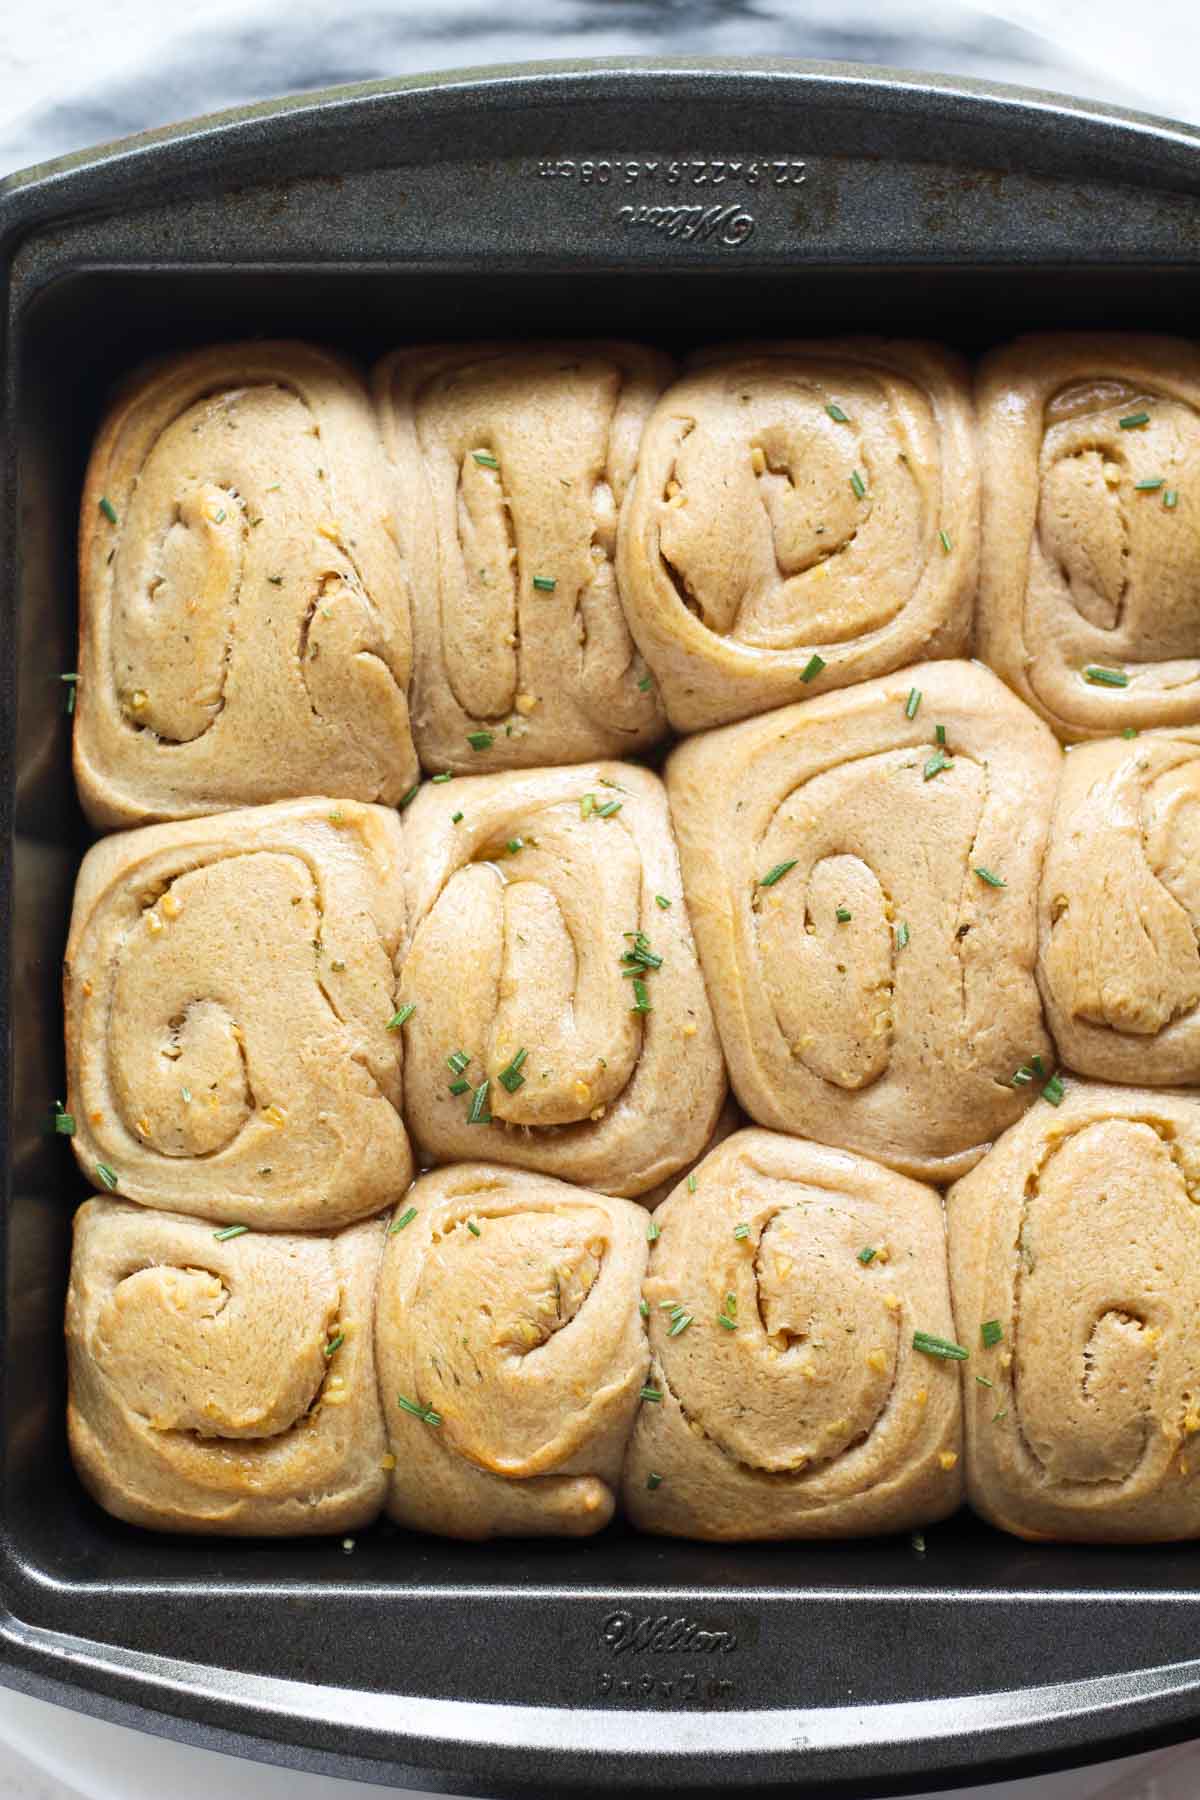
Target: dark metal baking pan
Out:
[680,203]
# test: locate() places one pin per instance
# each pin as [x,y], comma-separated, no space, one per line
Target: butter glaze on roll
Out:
[244,633]
[511,1352]
[1082,569]
[809,1413]
[832,1027]
[521,913]
[801,501]
[509,464]
[1119,956]
[1078,1235]
[204,1396]
[229,982]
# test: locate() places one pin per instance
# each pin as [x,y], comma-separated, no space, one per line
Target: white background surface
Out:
[73,74]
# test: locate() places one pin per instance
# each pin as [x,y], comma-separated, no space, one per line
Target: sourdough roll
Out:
[1073,1252]
[223,1383]
[805,515]
[1089,598]
[243,615]
[561,1019]
[511,1352]
[1119,916]
[229,986]
[508,466]
[786,1397]
[864,900]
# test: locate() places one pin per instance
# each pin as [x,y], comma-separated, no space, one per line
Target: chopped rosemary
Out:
[1171,499]
[514,845]
[653,1481]
[107,1176]
[1105,677]
[930,1345]
[653,1231]
[230,1231]
[867,1255]
[480,1113]
[991,1332]
[836,414]
[650,1393]
[1133,419]
[545,584]
[645,684]
[587,806]
[64,1122]
[680,1325]
[843,915]
[990,876]
[402,1017]
[984,1382]
[741,1231]
[858,484]
[812,667]
[480,740]
[456,818]
[511,1077]
[997,1416]
[945,541]
[1149,486]
[1054,1090]
[644,1308]
[912,703]
[1038,1066]
[72,682]
[776,874]
[446,775]
[473,1228]
[485,459]
[641,954]
[641,998]
[939,732]
[459,1086]
[661,900]
[457,1061]
[108,509]
[609,810]
[426,1413]
[691,1183]
[406,1218]
[1130,731]
[726,1322]
[937,762]
[407,799]
[335,1343]
[1023,1076]
[901,934]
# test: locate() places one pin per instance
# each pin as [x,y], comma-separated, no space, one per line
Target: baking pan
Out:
[677,202]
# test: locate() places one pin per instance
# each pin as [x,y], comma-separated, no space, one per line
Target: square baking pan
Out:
[678,203]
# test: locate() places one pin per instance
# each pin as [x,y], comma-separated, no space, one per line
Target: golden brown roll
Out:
[805,515]
[786,1397]
[864,902]
[222,1382]
[1071,1262]
[229,986]
[1089,596]
[561,1020]
[509,464]
[243,620]
[1119,915]
[511,1352]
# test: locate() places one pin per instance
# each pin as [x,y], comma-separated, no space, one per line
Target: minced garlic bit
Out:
[922,1396]
[1191,1423]
[877,1361]
[143,1126]
[329,531]
[689,1029]
[389,1461]
[673,488]
[783,1267]
[883,1254]
[153,923]
[893,1302]
[170,906]
[597,1113]
[582,1092]
[526,704]
[138,699]
[948,1459]
[274,1115]
[758,461]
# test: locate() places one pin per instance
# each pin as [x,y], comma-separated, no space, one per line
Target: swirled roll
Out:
[1089,598]
[1072,1252]
[561,1019]
[864,902]
[509,464]
[511,1352]
[805,515]
[223,1383]
[1119,917]
[244,631]
[229,986]
[786,1398]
